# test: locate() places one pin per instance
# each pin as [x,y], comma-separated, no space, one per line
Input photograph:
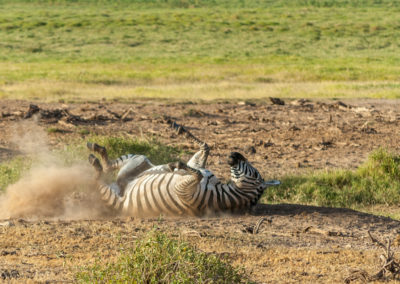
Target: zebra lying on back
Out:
[177,189]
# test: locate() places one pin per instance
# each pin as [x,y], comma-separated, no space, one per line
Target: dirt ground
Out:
[295,243]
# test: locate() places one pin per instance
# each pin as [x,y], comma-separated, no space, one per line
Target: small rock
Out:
[367,129]
[4,252]
[32,110]
[246,103]
[7,224]
[268,144]
[326,144]
[277,101]
[250,150]
[294,128]
[342,104]
[5,274]
[18,113]
[300,102]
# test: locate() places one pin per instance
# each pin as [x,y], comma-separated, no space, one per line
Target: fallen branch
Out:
[124,117]
[258,225]
[390,265]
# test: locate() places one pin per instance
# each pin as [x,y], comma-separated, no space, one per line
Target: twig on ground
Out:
[258,225]
[390,265]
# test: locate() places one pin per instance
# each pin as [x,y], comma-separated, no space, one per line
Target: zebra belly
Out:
[152,195]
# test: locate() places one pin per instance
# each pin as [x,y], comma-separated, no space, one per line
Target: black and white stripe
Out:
[177,189]
[179,192]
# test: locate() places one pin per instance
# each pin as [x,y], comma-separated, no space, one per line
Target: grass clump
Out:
[12,170]
[158,259]
[157,152]
[84,131]
[55,130]
[377,181]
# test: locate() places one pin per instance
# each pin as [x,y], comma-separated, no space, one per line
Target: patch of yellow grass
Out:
[45,90]
[279,264]
[382,210]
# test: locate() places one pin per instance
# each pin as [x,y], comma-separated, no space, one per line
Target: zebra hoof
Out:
[177,127]
[95,163]
[180,165]
[180,130]
[96,148]
[171,166]
[90,146]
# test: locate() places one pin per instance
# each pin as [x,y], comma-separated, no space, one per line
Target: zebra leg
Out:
[186,187]
[182,166]
[102,151]
[131,167]
[108,194]
[96,165]
[199,159]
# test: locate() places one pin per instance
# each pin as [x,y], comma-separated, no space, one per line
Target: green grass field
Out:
[192,49]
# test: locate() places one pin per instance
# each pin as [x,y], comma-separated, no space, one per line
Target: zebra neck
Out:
[247,192]
[247,188]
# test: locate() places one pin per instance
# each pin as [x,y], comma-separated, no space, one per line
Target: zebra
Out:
[177,189]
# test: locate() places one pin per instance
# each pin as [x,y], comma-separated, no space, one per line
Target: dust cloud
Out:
[50,189]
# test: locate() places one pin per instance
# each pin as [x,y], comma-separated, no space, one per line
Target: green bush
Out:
[11,171]
[157,152]
[158,259]
[377,181]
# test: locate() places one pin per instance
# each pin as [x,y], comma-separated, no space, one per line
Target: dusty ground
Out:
[295,243]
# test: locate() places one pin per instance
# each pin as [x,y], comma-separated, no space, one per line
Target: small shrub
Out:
[54,130]
[84,131]
[159,259]
[157,152]
[377,181]
[11,171]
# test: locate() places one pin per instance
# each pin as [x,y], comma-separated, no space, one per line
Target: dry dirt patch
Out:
[294,243]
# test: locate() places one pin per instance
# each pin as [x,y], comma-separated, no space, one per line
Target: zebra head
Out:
[243,174]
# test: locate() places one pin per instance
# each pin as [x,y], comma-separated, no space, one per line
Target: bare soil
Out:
[295,243]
